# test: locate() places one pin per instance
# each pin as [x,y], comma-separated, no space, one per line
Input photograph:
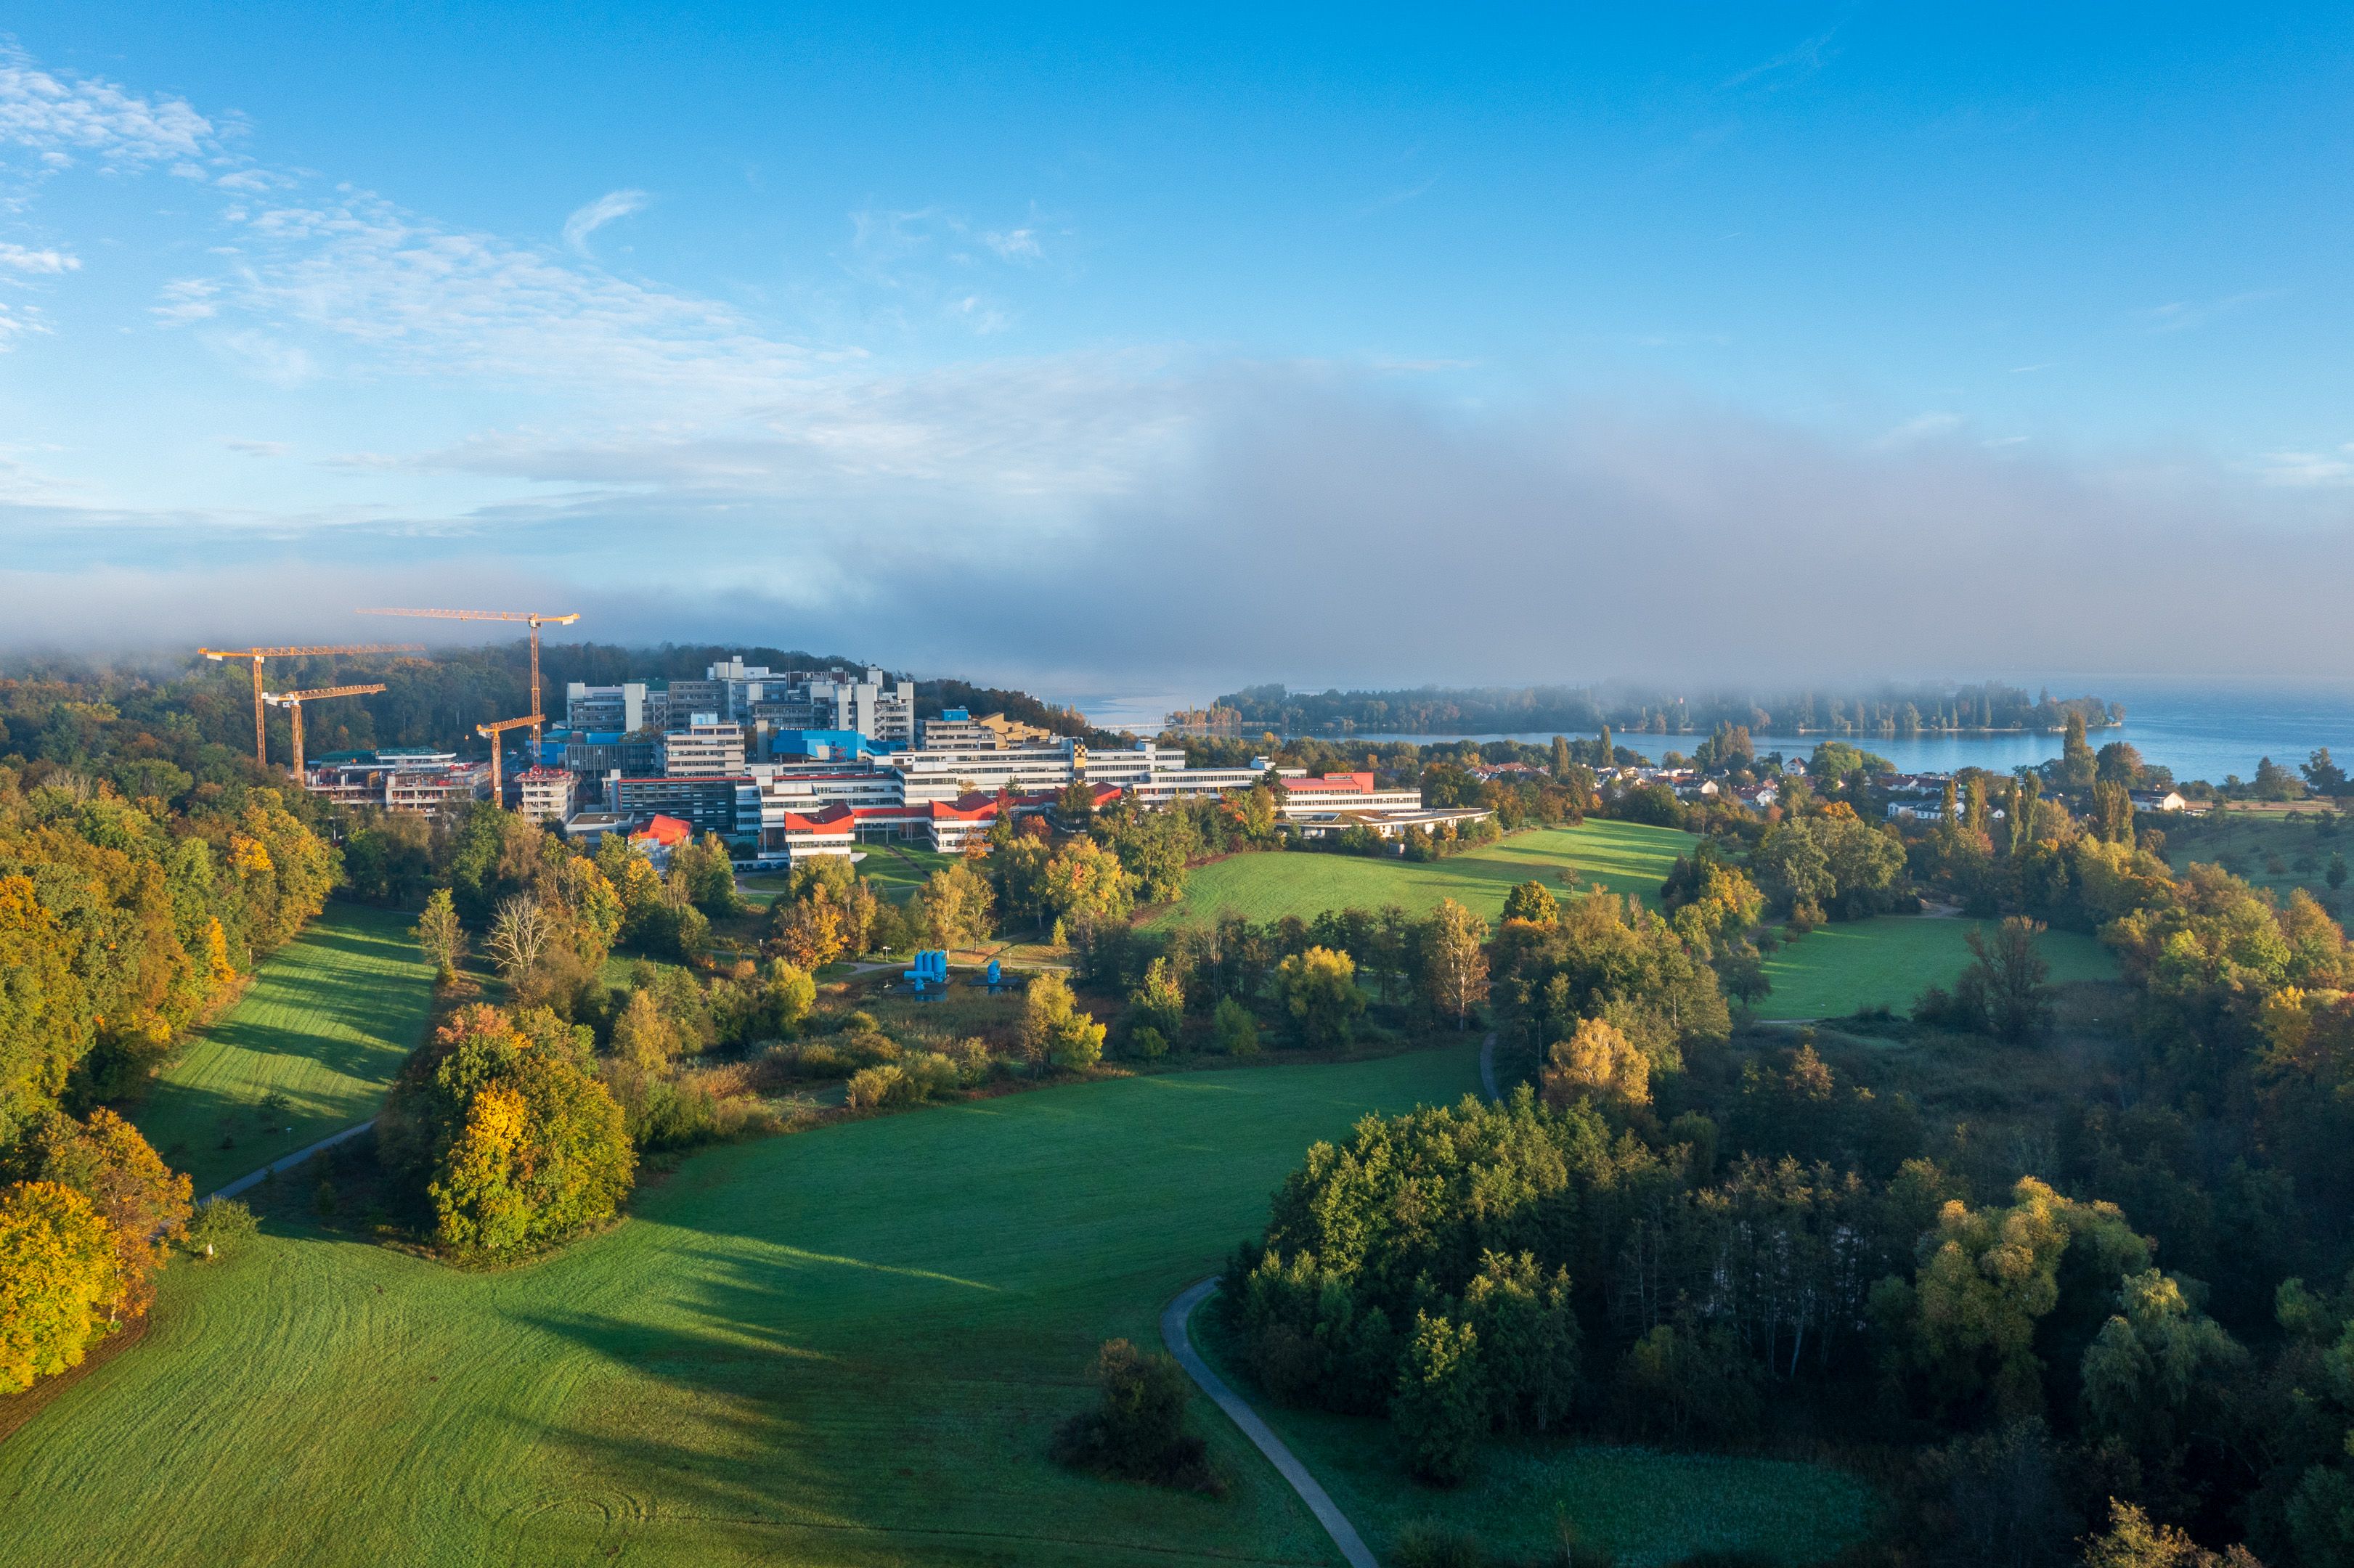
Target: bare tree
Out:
[520,933]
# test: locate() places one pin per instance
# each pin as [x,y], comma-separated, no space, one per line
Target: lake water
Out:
[2198,732]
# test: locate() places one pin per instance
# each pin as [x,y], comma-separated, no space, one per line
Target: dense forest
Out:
[2048,1262]
[50,707]
[1891,711]
[144,874]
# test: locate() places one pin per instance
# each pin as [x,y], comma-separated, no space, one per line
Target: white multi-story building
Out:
[628,707]
[876,706]
[1307,798]
[705,749]
[798,836]
[1025,770]
[546,794]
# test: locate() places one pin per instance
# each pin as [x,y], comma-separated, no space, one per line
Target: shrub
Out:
[1158,1003]
[868,1048]
[1138,1430]
[871,1088]
[974,1065]
[930,1075]
[1054,1031]
[1424,1543]
[219,1227]
[1147,1043]
[818,1061]
[1235,1028]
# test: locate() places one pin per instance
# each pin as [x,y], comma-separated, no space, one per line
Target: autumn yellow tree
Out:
[58,1280]
[1457,961]
[1598,1062]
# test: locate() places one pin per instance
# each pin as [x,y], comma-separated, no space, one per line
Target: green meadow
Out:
[1643,1507]
[325,1025]
[1624,857]
[845,1346]
[1842,968]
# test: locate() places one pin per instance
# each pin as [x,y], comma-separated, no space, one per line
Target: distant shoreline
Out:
[1923,733]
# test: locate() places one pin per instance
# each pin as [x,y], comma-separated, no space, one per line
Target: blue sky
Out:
[1085,342]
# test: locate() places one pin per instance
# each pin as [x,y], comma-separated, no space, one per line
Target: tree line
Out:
[2131,1327]
[1893,711]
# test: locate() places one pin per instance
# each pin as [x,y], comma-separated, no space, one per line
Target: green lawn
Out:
[848,1346]
[1625,857]
[897,870]
[1845,968]
[326,1023]
[2270,849]
[1644,1507]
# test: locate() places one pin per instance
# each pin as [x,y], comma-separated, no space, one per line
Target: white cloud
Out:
[586,220]
[411,296]
[18,322]
[257,449]
[2309,471]
[58,116]
[263,357]
[1015,245]
[17,258]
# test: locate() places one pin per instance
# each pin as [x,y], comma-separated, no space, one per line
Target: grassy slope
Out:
[845,1347]
[1643,1507]
[1843,969]
[898,870]
[849,1346]
[1625,857]
[326,1023]
[2249,842]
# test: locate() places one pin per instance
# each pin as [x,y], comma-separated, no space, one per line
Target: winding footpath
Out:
[1173,1320]
[1174,1333]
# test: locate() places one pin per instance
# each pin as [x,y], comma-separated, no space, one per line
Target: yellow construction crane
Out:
[260,746]
[292,702]
[493,732]
[537,620]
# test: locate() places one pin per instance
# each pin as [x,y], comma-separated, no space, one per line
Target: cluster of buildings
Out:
[787,764]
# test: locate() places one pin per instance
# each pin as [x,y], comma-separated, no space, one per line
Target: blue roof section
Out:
[802,742]
[955,716]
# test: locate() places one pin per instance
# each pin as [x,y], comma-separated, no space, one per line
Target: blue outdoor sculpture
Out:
[931,969]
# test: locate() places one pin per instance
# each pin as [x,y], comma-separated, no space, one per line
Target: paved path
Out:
[1328,1514]
[1488,1066]
[254,1179]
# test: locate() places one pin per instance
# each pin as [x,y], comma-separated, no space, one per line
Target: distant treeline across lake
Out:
[2209,732]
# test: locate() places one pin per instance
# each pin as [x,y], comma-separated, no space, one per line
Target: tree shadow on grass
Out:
[738,1414]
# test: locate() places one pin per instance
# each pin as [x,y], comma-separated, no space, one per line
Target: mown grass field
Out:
[2273,850]
[848,1346]
[326,1024]
[1843,969]
[1643,1507]
[1625,857]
